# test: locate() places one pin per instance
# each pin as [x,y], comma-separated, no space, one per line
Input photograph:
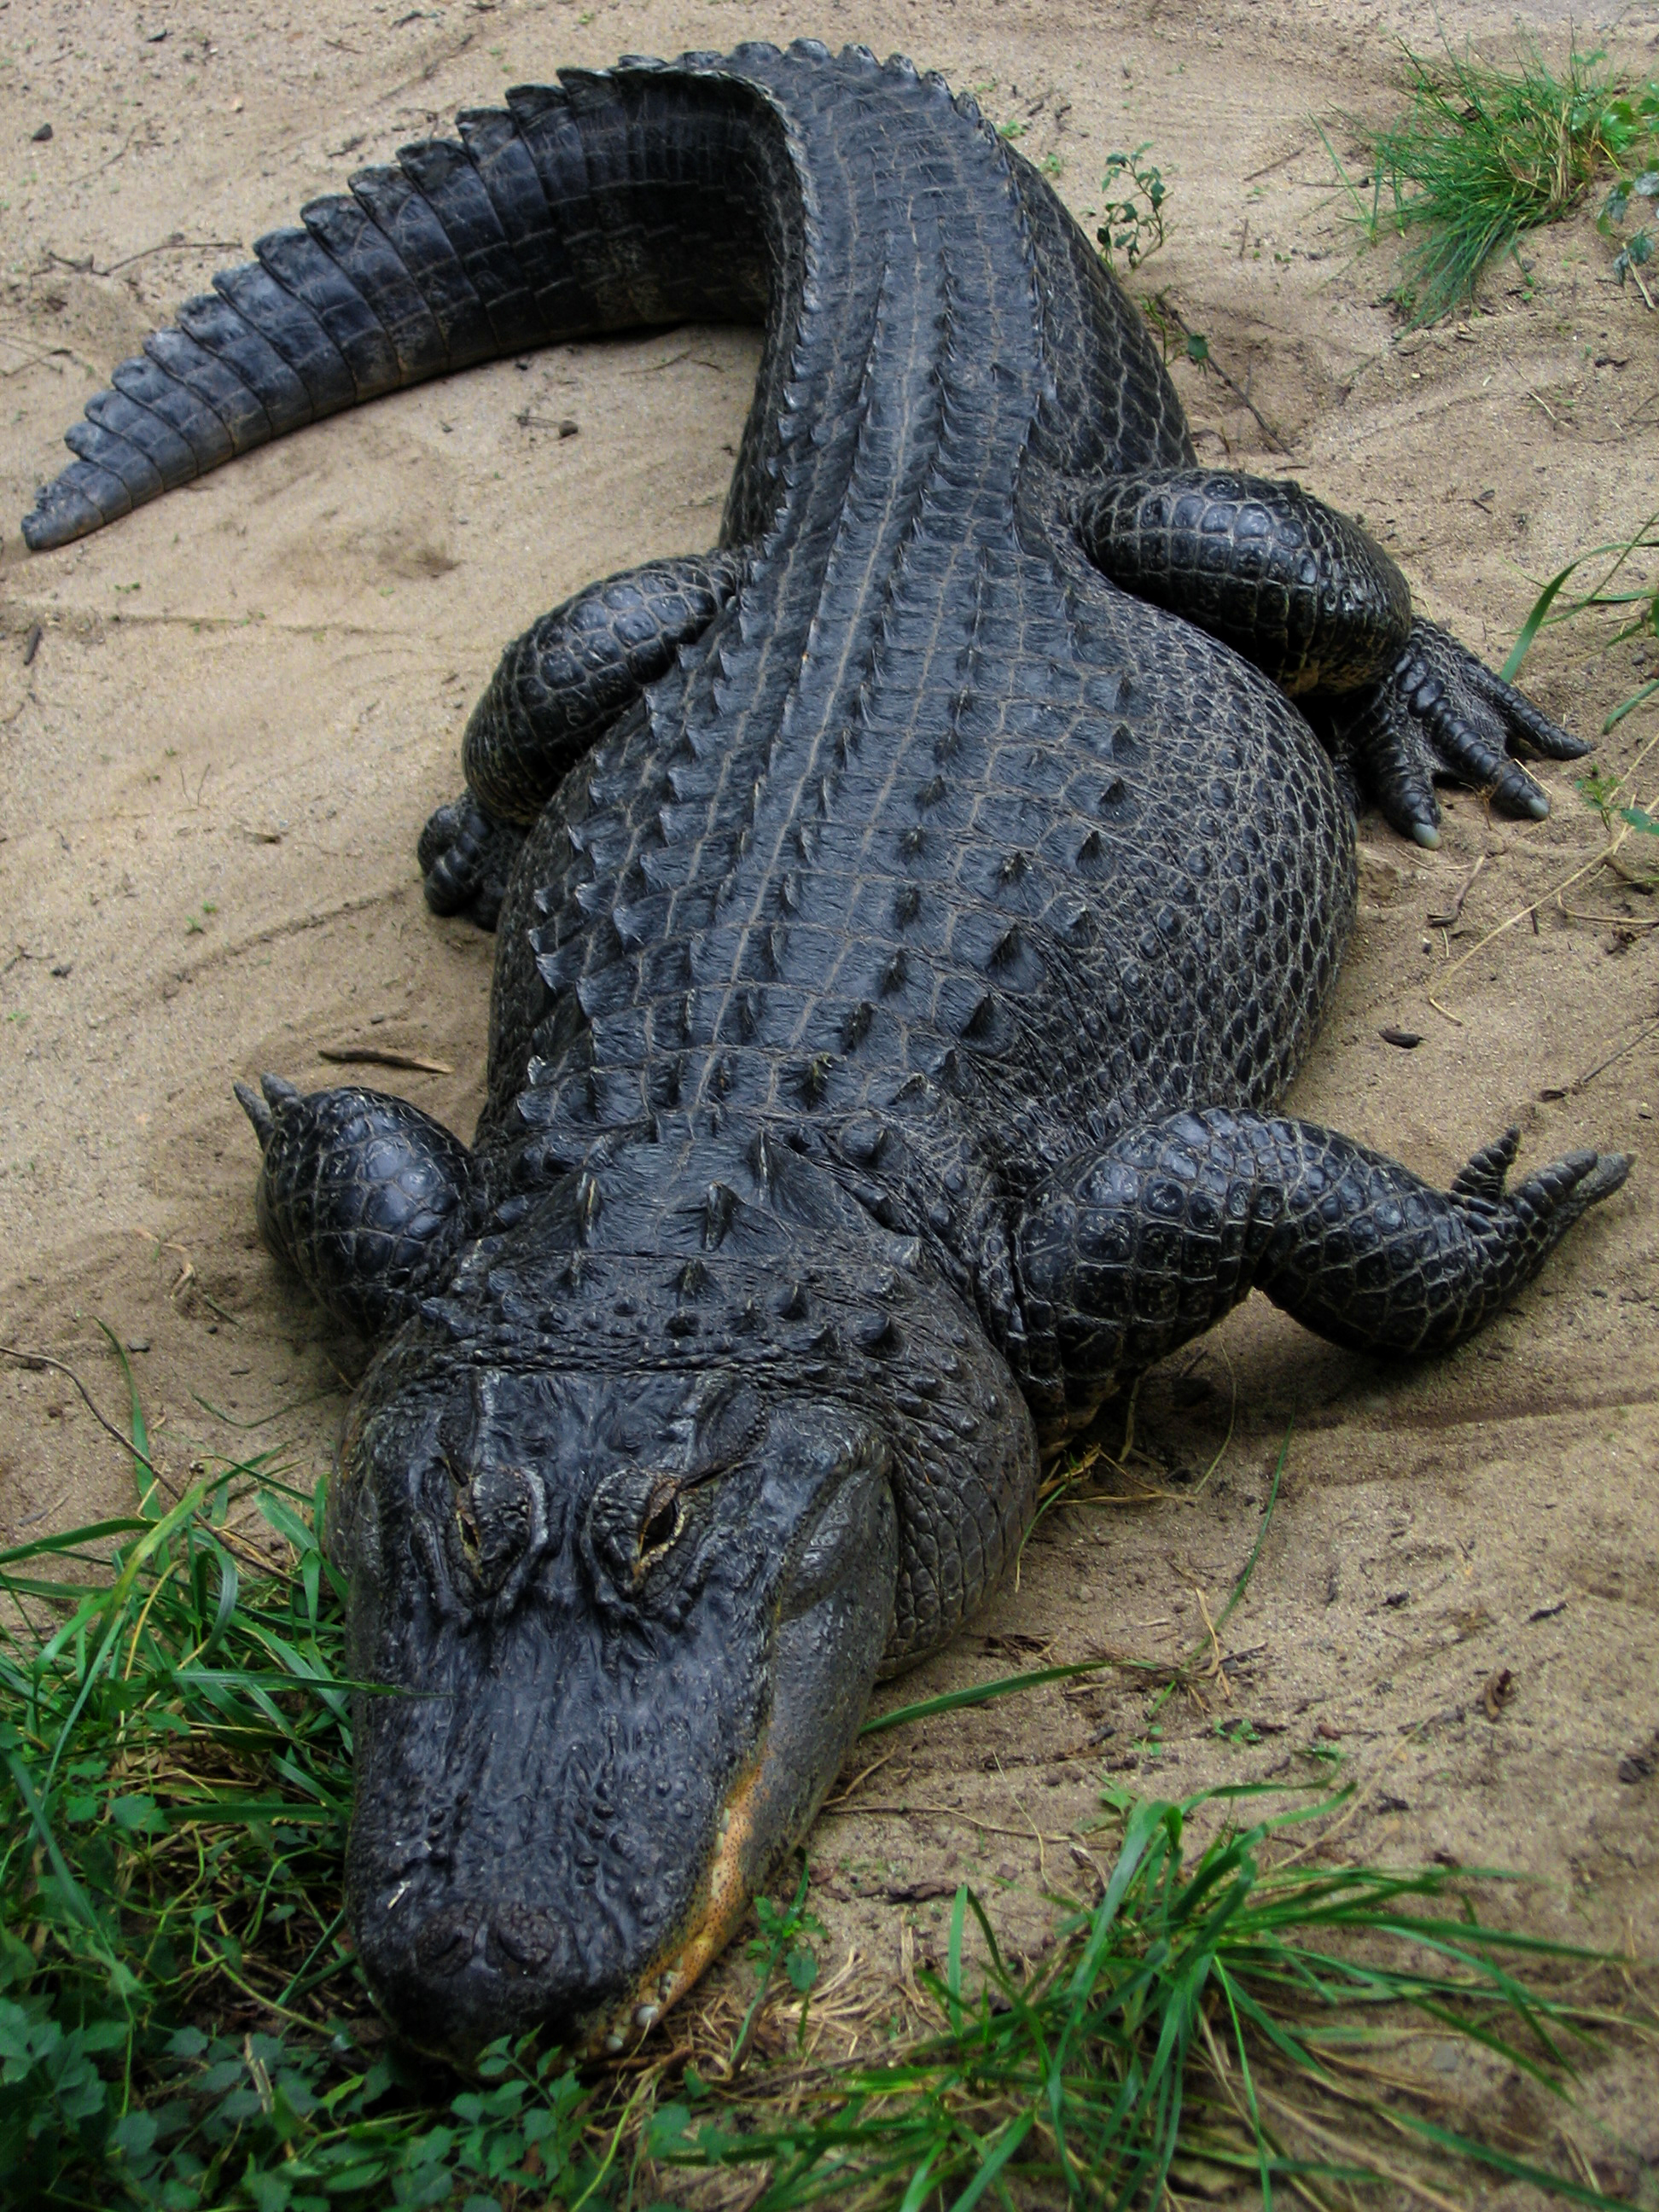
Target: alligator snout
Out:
[454,1972]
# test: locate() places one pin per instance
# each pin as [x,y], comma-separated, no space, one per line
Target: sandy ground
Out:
[223,720]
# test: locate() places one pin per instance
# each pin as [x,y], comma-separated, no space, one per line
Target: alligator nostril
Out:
[445,1943]
[522,1937]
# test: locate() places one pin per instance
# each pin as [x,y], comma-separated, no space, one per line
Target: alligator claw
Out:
[1439,715]
[466,857]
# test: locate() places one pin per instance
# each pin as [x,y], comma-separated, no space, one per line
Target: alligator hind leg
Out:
[365,1197]
[1316,604]
[1135,1249]
[558,689]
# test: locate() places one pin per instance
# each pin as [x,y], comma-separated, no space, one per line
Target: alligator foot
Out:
[560,685]
[1438,714]
[466,857]
[367,1198]
[1137,1248]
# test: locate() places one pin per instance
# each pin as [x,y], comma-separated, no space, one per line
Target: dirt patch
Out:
[223,720]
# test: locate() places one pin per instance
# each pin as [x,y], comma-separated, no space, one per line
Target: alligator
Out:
[910,914]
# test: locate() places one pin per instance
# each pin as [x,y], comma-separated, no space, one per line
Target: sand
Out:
[223,720]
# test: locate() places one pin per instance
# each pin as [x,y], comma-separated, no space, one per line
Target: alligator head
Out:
[622,1628]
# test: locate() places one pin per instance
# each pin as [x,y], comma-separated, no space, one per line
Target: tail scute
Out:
[184,412]
[394,204]
[347,234]
[218,329]
[290,329]
[170,454]
[443,173]
[221,394]
[293,260]
[508,174]
[109,450]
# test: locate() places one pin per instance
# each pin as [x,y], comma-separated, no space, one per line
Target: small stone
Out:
[1380,876]
[137,1344]
[39,137]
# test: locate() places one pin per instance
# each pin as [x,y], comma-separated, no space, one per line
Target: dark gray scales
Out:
[910,913]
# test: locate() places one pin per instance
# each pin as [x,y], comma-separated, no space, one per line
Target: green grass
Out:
[1485,154]
[1224,2021]
[1616,591]
[183,2024]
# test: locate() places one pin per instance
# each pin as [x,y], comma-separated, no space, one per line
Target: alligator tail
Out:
[611,201]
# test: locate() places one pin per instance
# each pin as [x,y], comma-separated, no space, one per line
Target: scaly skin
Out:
[905,934]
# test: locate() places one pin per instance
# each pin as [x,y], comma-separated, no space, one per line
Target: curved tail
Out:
[647,195]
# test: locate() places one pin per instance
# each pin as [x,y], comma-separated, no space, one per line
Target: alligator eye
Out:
[665,1516]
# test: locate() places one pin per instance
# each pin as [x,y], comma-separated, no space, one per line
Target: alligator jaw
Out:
[725,1901]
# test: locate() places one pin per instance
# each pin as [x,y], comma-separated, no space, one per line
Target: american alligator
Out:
[910,915]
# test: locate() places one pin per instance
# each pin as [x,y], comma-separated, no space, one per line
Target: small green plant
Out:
[1487,154]
[1635,249]
[783,1939]
[1134,207]
[1598,791]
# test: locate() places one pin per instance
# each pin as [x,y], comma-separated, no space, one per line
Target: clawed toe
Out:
[1550,1197]
[1549,1202]
[465,858]
[1438,714]
[1483,1176]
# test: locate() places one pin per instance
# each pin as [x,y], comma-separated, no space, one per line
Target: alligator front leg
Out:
[558,689]
[367,1199]
[1133,1249]
[1317,604]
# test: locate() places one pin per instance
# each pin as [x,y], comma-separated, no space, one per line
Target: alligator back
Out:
[935,820]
